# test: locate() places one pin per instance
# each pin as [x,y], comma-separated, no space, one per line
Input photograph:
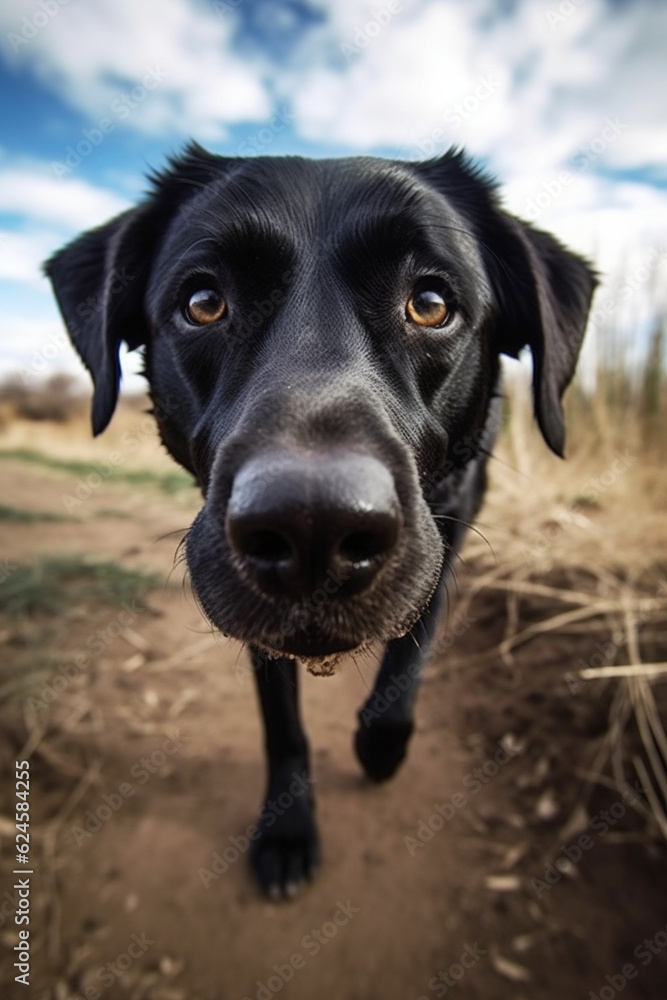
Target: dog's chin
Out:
[320,655]
[309,645]
[320,641]
[318,645]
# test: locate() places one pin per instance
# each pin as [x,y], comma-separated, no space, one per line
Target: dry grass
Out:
[601,512]
[58,399]
[132,436]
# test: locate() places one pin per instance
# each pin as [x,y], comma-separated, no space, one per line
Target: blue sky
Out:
[566,102]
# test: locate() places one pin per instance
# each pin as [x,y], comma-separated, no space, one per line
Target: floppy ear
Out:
[99,280]
[542,289]
[553,291]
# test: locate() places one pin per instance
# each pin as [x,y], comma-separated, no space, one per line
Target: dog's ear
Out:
[551,293]
[100,278]
[543,290]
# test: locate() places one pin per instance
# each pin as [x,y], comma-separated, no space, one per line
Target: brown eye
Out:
[427,308]
[205,306]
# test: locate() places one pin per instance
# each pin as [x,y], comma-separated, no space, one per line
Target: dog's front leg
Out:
[386,720]
[286,847]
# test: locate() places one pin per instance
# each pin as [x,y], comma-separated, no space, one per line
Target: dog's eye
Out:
[427,308]
[205,306]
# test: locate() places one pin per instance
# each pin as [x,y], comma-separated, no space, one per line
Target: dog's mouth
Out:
[312,644]
[319,640]
[343,576]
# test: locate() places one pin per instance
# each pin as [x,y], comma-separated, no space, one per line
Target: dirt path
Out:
[165,725]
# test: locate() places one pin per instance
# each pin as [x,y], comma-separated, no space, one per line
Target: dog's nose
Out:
[318,521]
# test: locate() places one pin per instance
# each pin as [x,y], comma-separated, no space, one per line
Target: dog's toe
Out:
[283,870]
[286,855]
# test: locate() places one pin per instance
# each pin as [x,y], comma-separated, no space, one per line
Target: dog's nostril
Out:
[364,546]
[267,546]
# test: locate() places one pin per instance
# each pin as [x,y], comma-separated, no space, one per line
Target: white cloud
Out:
[557,83]
[33,192]
[48,212]
[36,348]
[398,87]
[90,53]
[366,77]
[21,255]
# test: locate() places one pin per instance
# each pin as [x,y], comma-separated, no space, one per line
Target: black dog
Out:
[322,341]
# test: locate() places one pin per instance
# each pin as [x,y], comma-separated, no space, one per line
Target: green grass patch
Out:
[167,482]
[588,502]
[54,585]
[14,515]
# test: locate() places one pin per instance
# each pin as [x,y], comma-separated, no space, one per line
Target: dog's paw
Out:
[381,746]
[287,851]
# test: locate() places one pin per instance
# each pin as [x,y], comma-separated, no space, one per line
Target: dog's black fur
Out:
[340,445]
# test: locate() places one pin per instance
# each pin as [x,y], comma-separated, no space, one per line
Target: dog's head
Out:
[319,336]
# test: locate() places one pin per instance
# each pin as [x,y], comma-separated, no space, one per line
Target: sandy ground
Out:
[439,883]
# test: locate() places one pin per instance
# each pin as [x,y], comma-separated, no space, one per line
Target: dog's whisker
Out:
[359,671]
[466,524]
[492,457]
[170,534]
[414,639]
